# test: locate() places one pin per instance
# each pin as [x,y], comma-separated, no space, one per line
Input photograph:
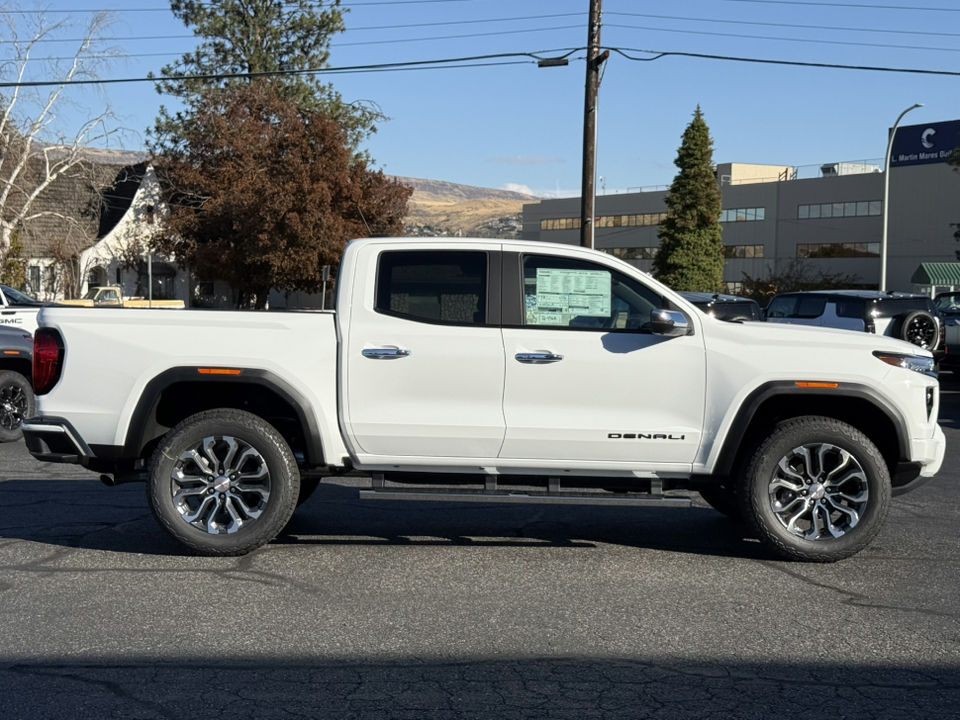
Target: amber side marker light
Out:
[11,352]
[829,386]
[219,371]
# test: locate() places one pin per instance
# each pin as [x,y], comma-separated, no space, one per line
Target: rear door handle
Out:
[385,353]
[538,358]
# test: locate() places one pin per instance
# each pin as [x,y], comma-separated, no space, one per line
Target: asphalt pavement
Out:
[389,610]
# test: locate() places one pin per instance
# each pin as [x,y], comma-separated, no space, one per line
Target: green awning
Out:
[936,273]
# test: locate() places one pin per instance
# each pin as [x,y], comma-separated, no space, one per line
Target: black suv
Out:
[732,308]
[16,393]
[905,316]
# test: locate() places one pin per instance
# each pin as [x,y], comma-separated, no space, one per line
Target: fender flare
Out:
[150,397]
[752,403]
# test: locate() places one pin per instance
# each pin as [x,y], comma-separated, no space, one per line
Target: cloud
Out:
[514,187]
[519,160]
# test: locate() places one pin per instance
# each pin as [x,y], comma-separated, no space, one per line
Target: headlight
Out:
[917,363]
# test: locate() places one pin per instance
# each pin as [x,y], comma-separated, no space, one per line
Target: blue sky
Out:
[520,126]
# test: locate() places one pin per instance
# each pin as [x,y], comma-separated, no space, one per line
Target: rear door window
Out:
[447,287]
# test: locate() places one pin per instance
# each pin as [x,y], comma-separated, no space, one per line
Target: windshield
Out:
[91,293]
[15,297]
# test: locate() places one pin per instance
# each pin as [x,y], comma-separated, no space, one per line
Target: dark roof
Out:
[862,294]
[706,298]
[82,205]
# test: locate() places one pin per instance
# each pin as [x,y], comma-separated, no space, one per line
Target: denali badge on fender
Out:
[644,436]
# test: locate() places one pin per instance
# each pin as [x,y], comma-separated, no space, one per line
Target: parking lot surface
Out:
[382,610]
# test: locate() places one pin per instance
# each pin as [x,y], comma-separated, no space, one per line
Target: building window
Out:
[860,208]
[605,221]
[743,251]
[560,224]
[743,214]
[838,250]
[33,279]
[49,279]
[635,253]
[734,288]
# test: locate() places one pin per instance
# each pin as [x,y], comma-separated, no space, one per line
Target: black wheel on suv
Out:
[223,482]
[816,490]
[16,404]
[920,328]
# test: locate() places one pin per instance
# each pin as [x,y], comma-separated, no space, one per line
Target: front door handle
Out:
[540,358]
[385,353]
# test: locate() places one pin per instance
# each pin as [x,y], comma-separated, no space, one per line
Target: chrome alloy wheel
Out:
[13,407]
[221,485]
[818,491]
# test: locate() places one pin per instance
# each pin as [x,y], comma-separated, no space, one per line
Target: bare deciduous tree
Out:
[36,147]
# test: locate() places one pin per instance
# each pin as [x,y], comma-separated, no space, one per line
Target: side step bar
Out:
[491,494]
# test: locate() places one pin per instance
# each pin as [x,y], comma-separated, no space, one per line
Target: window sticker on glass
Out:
[565,293]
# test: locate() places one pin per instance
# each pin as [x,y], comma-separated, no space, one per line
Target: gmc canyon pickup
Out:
[491,371]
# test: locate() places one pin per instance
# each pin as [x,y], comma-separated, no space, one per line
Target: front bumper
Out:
[52,439]
[928,456]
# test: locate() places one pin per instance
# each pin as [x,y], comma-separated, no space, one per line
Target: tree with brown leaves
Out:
[264,192]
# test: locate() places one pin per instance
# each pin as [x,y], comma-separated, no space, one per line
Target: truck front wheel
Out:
[816,490]
[223,482]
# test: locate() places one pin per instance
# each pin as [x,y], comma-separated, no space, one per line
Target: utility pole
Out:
[588,185]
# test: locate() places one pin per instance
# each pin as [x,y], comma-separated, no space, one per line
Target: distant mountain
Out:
[445,208]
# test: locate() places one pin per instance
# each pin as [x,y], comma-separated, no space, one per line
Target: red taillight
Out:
[47,360]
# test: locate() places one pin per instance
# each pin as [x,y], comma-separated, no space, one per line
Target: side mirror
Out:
[669,323]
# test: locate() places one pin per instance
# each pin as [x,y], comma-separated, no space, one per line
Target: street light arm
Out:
[886,197]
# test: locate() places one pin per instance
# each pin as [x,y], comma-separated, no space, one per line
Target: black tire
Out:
[858,481]
[16,404]
[722,499]
[919,328]
[238,503]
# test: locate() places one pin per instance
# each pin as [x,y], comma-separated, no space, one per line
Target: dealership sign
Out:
[920,144]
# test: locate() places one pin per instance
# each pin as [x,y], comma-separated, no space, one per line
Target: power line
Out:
[849,5]
[786,39]
[351,29]
[796,63]
[534,56]
[456,62]
[124,56]
[787,25]
[167,9]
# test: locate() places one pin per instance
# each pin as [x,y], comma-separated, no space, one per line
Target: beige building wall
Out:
[746,173]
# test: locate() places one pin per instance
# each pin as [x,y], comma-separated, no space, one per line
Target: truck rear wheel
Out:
[816,490]
[223,482]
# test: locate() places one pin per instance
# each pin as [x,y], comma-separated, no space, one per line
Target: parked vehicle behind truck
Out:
[112,296]
[16,393]
[491,371]
[18,310]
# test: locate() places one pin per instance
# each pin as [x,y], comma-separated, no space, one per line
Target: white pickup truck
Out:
[491,371]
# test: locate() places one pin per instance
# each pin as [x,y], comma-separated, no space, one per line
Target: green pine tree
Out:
[691,239]
[258,36]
